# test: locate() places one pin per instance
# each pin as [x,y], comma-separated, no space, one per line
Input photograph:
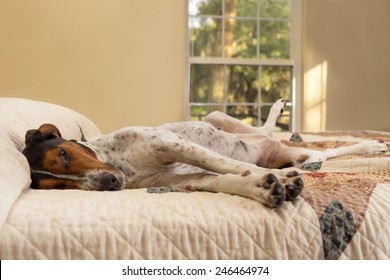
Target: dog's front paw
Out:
[293,184]
[278,186]
[276,194]
[291,181]
[266,189]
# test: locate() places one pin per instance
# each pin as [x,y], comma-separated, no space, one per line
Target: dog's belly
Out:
[247,148]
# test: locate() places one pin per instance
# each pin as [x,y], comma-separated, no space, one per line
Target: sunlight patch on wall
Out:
[314,99]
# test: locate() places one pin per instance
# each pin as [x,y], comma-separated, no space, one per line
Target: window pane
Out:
[245,8]
[199,112]
[243,84]
[205,36]
[275,8]
[283,122]
[240,31]
[240,38]
[207,83]
[205,7]
[247,114]
[275,83]
[275,39]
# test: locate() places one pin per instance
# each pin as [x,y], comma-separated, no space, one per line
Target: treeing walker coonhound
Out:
[220,154]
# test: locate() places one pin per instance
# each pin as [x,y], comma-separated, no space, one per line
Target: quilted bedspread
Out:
[343,213]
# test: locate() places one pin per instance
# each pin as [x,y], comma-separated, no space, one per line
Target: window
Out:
[242,56]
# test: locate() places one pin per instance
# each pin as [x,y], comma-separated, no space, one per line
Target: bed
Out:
[343,212]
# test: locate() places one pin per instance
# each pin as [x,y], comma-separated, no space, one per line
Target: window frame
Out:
[294,62]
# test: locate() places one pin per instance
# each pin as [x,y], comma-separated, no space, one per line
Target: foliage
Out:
[244,29]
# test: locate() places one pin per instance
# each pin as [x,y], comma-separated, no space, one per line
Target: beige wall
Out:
[346,64]
[118,62]
[123,62]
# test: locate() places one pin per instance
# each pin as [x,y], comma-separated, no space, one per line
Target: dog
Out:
[219,154]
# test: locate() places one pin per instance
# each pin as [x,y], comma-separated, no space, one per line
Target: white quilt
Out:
[349,219]
[134,224]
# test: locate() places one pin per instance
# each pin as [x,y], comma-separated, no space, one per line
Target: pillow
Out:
[16,117]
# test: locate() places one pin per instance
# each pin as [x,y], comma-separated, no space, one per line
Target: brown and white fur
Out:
[220,154]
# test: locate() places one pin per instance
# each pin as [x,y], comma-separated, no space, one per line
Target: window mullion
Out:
[259,97]
[241,61]
[223,28]
[225,86]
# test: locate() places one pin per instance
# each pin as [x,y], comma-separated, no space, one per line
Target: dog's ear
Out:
[44,132]
[49,129]
[29,135]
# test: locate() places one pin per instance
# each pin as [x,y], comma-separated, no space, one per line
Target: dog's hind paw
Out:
[279,106]
[372,147]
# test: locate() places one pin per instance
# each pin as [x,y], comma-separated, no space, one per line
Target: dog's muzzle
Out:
[107,181]
[111,182]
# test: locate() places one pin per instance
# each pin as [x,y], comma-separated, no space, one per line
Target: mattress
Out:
[343,213]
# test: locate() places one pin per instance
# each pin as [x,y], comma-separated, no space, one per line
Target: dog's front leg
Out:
[265,189]
[189,153]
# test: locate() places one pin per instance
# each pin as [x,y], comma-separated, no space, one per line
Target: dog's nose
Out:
[110,182]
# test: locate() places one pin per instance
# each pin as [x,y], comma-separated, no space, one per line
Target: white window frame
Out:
[294,62]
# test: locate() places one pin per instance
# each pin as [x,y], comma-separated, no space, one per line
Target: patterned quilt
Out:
[340,199]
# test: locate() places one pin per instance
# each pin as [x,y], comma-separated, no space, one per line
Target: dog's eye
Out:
[64,155]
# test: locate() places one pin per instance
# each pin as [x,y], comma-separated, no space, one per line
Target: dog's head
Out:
[56,163]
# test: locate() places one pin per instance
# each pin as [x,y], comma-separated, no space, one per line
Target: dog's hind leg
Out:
[298,156]
[368,147]
[228,124]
